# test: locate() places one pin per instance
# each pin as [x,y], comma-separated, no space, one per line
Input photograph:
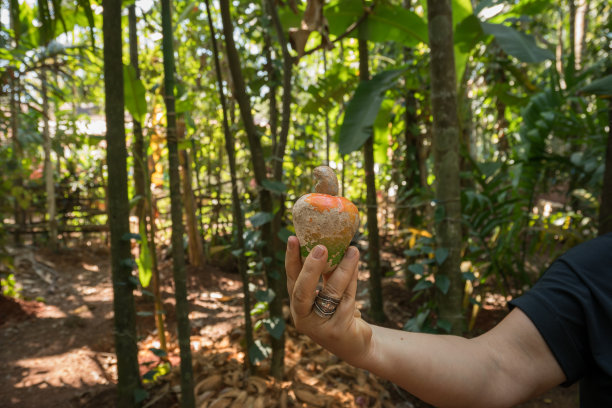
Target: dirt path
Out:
[61,355]
[62,352]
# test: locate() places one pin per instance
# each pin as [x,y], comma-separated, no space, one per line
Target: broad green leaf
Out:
[288,18]
[395,23]
[261,218]
[341,14]
[444,325]
[134,90]
[274,186]
[416,269]
[485,4]
[158,352]
[426,249]
[59,16]
[259,308]
[601,86]
[47,24]
[443,283]
[259,352]
[411,252]
[461,10]
[284,234]
[144,260]
[441,254]
[468,276]
[382,130]
[140,395]
[86,6]
[184,103]
[467,34]
[265,295]
[517,44]
[416,323]
[150,375]
[384,22]
[421,285]
[275,326]
[362,110]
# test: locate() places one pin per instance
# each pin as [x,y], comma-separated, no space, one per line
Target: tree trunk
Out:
[15,108]
[272,84]
[409,170]
[178,253]
[238,220]
[138,151]
[571,34]
[49,172]
[142,187]
[195,248]
[446,157]
[265,198]
[376,299]
[327,133]
[279,151]
[196,162]
[580,30]
[17,154]
[119,208]
[410,166]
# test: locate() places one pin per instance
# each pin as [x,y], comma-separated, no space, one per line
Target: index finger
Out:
[304,291]
[293,262]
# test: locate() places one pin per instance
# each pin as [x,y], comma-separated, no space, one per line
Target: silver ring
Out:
[325,306]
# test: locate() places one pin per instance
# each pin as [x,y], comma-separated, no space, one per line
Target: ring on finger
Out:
[325,306]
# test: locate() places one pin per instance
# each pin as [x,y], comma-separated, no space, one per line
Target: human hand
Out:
[344,333]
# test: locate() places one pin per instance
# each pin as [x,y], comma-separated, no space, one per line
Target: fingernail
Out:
[318,251]
[290,243]
[352,252]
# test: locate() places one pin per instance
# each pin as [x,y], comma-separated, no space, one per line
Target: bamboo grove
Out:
[474,136]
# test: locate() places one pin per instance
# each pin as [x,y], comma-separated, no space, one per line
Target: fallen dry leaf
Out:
[209,383]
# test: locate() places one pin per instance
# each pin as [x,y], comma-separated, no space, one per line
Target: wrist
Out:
[368,360]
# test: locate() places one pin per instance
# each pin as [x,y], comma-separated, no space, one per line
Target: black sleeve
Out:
[556,305]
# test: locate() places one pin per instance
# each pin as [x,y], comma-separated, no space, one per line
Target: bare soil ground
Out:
[59,353]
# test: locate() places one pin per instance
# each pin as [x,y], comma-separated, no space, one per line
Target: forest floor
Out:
[57,351]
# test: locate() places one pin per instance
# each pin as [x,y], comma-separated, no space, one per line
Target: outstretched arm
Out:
[507,365]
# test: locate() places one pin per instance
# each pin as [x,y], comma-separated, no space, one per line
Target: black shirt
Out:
[571,305]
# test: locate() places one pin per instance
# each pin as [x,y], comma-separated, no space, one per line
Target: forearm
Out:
[446,371]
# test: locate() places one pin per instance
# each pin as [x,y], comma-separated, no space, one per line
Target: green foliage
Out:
[363,109]
[384,22]
[517,44]
[261,218]
[529,129]
[259,352]
[601,86]
[134,93]
[145,259]
[9,286]
[276,187]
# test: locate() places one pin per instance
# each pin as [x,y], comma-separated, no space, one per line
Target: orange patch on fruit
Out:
[325,202]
